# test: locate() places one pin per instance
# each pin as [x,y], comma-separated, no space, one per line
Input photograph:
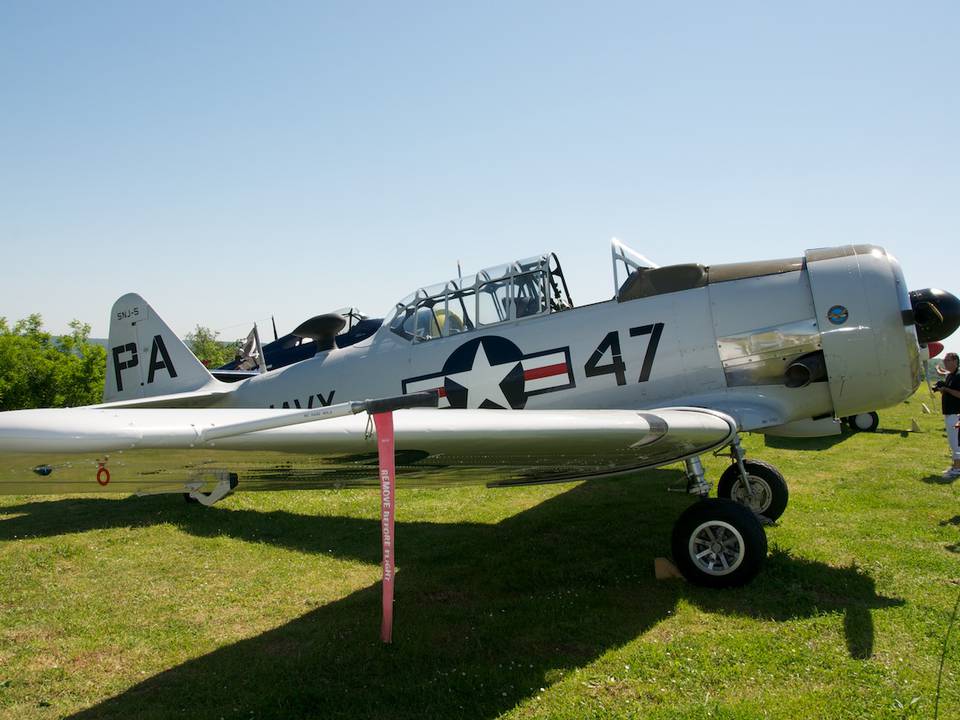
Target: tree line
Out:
[38,369]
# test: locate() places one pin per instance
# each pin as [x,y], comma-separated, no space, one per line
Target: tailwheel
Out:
[718,543]
[767,494]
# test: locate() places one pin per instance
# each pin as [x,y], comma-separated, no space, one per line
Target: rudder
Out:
[144,356]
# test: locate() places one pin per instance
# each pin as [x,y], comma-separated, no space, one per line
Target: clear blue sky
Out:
[234,160]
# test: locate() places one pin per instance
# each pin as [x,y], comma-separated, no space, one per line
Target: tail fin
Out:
[145,358]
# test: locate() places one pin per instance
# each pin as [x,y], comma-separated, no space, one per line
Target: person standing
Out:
[949,389]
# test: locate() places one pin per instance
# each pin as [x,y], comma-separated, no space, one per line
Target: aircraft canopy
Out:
[525,288]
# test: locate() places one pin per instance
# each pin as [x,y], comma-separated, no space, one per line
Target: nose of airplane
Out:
[936,314]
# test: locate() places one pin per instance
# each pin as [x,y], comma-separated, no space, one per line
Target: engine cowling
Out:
[868,326]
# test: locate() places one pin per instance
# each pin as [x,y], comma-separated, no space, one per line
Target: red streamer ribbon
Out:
[388,475]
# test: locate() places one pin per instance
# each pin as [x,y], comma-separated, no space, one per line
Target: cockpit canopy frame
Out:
[503,293]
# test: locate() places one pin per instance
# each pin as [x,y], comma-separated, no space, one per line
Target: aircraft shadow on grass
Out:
[821,443]
[939,480]
[486,614]
[955,521]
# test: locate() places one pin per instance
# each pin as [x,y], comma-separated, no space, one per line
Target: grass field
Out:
[519,603]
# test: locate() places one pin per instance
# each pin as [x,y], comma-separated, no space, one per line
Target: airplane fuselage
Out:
[725,344]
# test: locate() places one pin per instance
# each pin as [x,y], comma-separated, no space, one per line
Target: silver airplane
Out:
[679,362]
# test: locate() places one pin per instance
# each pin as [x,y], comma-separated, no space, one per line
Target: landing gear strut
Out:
[754,484]
[696,478]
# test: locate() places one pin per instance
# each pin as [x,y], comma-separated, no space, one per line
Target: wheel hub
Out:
[716,547]
[757,499]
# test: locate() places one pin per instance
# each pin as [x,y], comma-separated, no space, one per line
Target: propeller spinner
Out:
[936,314]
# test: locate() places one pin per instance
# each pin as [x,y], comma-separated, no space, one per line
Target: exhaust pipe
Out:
[805,370]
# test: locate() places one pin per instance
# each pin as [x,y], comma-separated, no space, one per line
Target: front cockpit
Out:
[523,289]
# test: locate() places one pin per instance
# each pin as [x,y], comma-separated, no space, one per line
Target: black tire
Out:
[769,487]
[864,422]
[728,538]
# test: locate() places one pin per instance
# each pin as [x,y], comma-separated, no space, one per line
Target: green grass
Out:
[519,603]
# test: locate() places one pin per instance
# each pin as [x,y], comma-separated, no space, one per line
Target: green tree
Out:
[38,370]
[210,351]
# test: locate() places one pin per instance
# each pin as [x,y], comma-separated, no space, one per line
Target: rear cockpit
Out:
[523,289]
[341,328]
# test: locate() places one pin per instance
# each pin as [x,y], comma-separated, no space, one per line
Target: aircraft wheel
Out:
[864,422]
[718,543]
[769,493]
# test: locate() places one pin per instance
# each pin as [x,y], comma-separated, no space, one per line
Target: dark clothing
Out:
[950,404]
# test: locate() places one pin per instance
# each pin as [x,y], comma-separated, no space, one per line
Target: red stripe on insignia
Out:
[442,392]
[545,371]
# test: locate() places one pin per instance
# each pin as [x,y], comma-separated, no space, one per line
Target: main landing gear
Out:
[754,483]
[721,542]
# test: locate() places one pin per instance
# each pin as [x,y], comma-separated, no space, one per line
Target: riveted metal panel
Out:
[761,356]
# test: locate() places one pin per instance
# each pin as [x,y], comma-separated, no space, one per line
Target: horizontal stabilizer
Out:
[232,376]
[202,398]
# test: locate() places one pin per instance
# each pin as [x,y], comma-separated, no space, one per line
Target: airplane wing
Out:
[161,450]
[771,418]
[751,414]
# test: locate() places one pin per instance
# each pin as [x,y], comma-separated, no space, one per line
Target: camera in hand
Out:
[938,385]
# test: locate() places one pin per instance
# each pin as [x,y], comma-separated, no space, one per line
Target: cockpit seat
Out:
[527,306]
[449,322]
[646,282]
